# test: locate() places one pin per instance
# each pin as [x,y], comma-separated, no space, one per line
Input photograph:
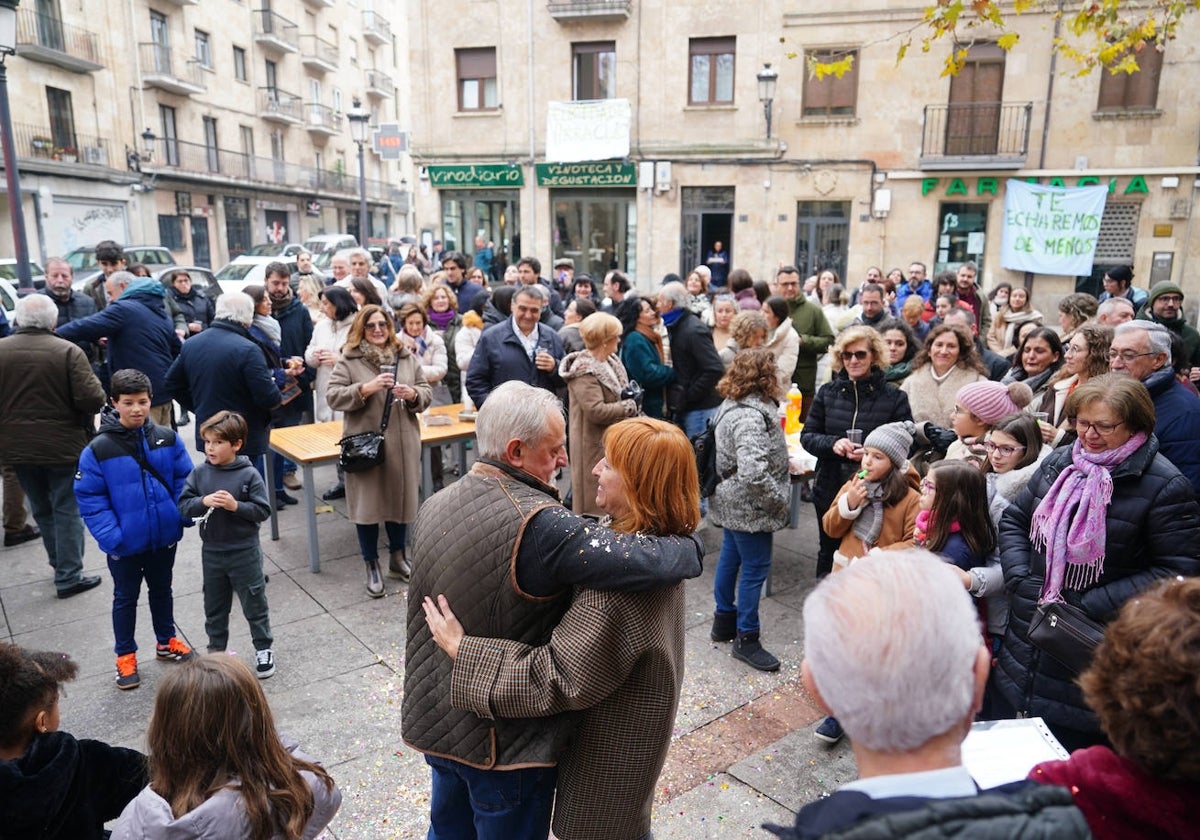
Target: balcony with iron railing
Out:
[318,54]
[380,85]
[40,142]
[589,10]
[275,32]
[215,165]
[165,70]
[45,38]
[322,120]
[376,28]
[279,106]
[976,135]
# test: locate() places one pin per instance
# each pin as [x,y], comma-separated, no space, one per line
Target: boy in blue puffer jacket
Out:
[128,485]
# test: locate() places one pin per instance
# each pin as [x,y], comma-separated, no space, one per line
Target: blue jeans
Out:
[284,465]
[694,422]
[156,568]
[751,554]
[51,494]
[368,538]
[471,804]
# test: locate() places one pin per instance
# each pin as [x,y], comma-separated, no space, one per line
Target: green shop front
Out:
[593,207]
[481,199]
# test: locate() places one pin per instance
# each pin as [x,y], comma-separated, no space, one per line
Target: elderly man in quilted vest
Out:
[503,550]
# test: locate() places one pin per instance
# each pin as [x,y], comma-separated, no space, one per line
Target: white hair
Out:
[536,290]
[676,293]
[514,410]
[36,311]
[342,256]
[1158,337]
[891,644]
[235,306]
[1109,305]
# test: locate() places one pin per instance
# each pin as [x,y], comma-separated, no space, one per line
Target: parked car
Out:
[83,261]
[8,271]
[202,278]
[8,299]
[245,271]
[325,245]
[272,249]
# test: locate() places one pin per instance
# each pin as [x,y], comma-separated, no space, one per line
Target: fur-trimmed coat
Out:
[932,401]
[594,388]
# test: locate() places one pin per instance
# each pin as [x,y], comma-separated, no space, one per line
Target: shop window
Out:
[476,79]
[596,229]
[1137,91]
[831,96]
[595,70]
[710,70]
[170,232]
[962,234]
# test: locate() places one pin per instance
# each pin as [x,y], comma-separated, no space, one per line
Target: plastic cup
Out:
[1041,416]
[390,370]
[855,436]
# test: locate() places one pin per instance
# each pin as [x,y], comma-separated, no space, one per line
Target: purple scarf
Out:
[441,320]
[1069,524]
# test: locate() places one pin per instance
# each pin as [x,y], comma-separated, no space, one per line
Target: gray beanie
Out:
[893,440]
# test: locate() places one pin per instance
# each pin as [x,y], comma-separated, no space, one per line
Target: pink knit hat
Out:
[990,401]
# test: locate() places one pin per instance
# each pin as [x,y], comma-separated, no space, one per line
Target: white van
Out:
[325,245]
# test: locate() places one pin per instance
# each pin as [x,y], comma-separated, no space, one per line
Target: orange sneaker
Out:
[127,672]
[175,651]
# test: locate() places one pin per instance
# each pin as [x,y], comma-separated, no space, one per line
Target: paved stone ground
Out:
[743,751]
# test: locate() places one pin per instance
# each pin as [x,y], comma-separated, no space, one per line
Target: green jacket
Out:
[815,338]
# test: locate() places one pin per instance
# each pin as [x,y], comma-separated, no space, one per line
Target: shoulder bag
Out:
[364,451]
[1066,633]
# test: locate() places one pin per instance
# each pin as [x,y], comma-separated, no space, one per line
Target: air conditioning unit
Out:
[95,155]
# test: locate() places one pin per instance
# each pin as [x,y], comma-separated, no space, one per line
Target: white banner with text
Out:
[1051,230]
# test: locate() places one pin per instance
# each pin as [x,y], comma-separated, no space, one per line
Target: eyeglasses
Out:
[1126,356]
[380,326]
[1002,451]
[857,355]
[928,486]
[1170,298]
[958,409]
[1102,429]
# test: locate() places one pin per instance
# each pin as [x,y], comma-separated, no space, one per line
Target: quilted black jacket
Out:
[843,404]
[1153,531]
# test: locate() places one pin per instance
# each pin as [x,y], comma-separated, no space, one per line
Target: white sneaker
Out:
[266,663]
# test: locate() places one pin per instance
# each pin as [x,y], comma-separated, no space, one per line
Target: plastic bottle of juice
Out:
[792,422]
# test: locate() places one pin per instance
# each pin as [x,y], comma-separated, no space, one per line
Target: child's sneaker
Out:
[127,672]
[174,651]
[266,663]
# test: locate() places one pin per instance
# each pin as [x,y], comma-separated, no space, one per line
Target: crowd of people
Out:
[976,471]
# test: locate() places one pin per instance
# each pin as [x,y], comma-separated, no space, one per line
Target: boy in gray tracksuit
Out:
[228,498]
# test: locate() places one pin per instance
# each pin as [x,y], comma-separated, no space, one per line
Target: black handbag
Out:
[365,450]
[1066,633]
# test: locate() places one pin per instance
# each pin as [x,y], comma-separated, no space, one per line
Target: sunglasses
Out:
[857,355]
[377,326]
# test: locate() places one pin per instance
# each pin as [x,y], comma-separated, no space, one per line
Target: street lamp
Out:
[360,128]
[133,159]
[766,91]
[8,46]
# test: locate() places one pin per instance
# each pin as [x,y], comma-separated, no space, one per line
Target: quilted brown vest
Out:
[465,542]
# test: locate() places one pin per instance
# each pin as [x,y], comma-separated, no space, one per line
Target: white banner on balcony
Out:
[597,129]
[1051,230]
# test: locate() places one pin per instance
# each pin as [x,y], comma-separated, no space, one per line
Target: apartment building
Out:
[207,126]
[893,162]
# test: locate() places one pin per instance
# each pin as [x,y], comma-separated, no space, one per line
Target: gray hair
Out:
[342,256]
[1157,336]
[237,307]
[1107,307]
[36,311]
[676,293]
[409,279]
[891,644]
[514,410]
[536,290]
[121,279]
[358,252]
[960,314]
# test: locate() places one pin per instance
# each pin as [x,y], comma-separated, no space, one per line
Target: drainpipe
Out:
[533,196]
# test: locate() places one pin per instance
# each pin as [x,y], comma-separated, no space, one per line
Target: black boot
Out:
[747,648]
[374,581]
[724,628]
